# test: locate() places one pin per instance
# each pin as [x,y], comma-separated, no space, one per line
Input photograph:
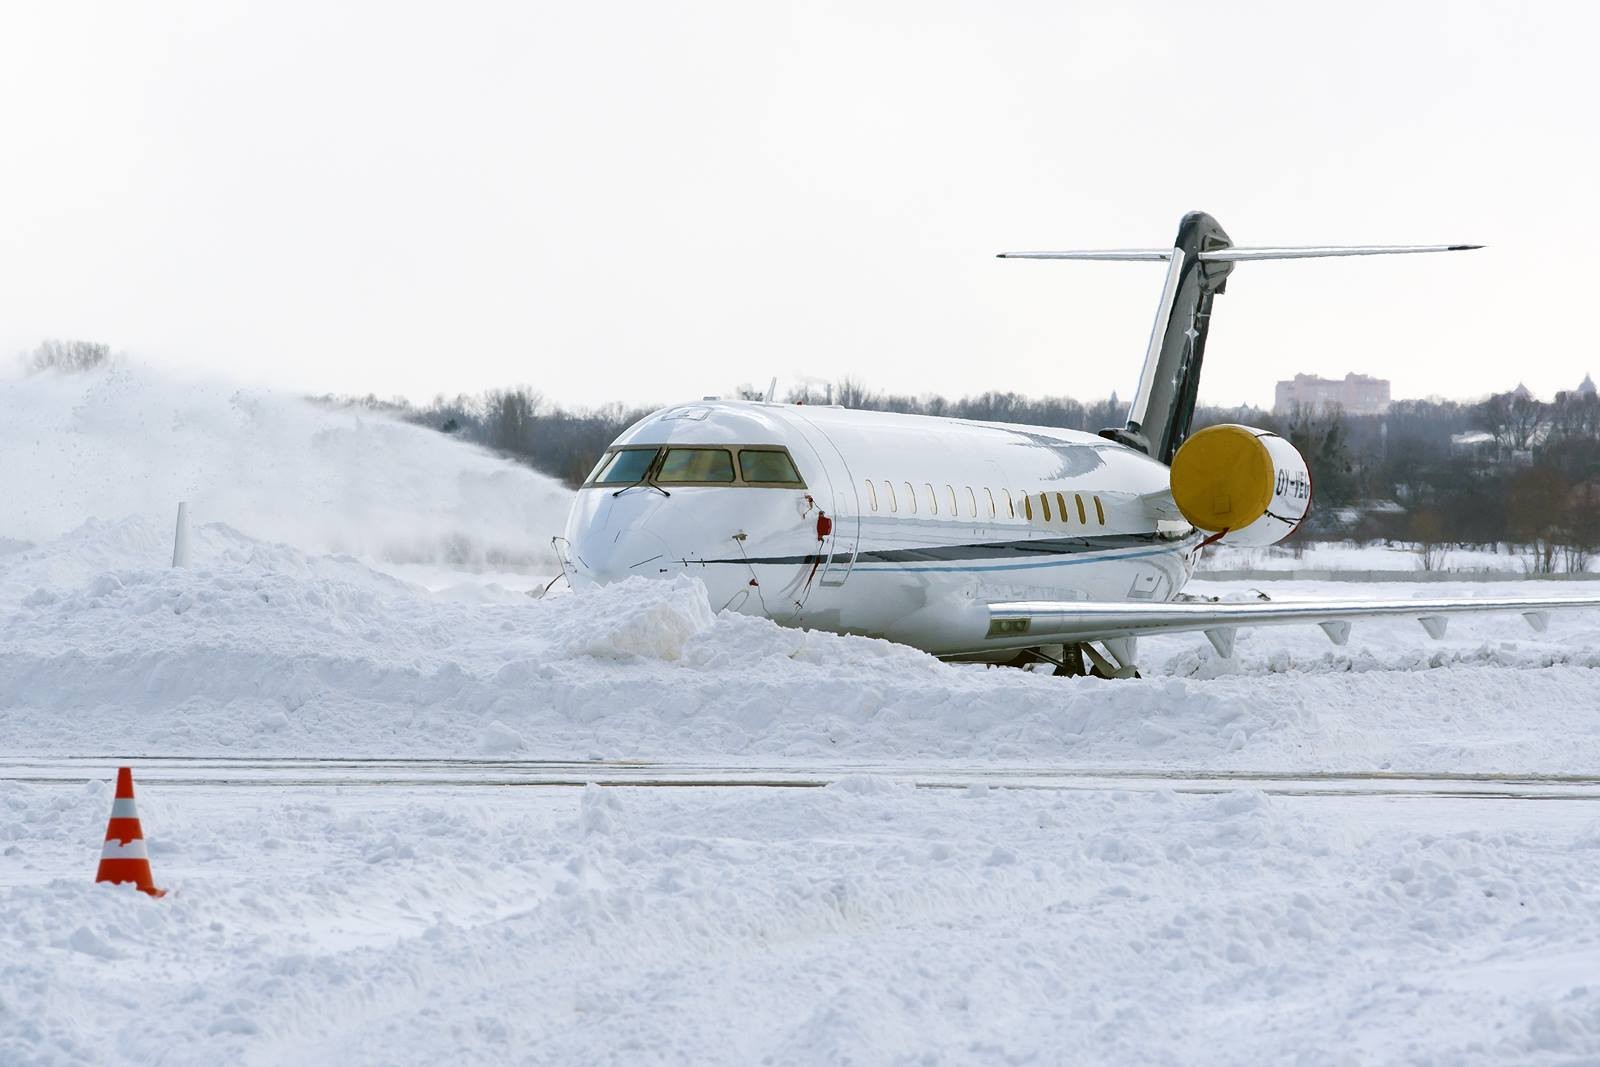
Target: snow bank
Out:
[130,441]
[263,648]
[656,620]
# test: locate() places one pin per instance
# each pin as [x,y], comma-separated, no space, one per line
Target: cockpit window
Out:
[696,465]
[758,466]
[768,466]
[624,466]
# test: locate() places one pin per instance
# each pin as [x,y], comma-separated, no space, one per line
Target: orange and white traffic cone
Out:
[123,857]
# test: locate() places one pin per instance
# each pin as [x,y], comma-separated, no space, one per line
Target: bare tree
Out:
[1318,433]
[1515,419]
[1538,506]
[1574,417]
[1426,529]
[69,357]
[1581,529]
[510,415]
[850,394]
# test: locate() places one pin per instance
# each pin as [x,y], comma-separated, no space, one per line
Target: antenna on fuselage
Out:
[1198,265]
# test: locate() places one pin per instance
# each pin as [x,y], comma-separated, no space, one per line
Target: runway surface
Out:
[293,771]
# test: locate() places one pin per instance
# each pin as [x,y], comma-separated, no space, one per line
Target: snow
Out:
[866,922]
[1337,556]
[1108,912]
[267,649]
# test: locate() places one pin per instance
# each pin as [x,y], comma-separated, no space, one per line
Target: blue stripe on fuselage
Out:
[1065,561]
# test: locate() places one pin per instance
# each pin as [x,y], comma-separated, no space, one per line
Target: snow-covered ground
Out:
[869,921]
[1337,556]
[862,923]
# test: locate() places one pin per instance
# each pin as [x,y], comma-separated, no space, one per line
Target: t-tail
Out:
[1198,265]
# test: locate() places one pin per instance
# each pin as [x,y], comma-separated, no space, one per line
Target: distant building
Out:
[1357,394]
[1586,387]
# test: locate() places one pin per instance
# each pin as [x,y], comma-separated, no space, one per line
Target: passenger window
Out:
[1083,516]
[989,493]
[768,466]
[1011,505]
[950,494]
[911,499]
[1061,507]
[872,494]
[972,503]
[626,466]
[888,491]
[1099,511]
[1044,502]
[933,501]
[1027,507]
[696,465]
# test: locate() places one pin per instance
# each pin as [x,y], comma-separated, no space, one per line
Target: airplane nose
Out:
[629,552]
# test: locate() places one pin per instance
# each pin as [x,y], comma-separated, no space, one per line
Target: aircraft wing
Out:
[1025,623]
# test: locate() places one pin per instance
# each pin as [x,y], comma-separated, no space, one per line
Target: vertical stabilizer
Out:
[1163,405]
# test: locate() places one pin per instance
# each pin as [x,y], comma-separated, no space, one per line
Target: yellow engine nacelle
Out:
[1247,484]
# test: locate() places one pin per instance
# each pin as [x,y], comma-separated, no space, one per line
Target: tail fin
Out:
[1198,266]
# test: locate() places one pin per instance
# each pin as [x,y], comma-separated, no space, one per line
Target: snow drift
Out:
[264,648]
[130,441]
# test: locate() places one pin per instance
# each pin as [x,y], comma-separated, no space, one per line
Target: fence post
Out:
[180,539]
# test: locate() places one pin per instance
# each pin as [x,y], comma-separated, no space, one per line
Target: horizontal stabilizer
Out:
[1128,255]
[1239,255]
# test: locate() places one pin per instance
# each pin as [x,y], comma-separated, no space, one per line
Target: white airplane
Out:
[975,540]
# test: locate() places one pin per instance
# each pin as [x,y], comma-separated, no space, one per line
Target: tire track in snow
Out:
[294,771]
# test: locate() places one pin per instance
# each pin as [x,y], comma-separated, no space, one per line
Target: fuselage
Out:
[896,526]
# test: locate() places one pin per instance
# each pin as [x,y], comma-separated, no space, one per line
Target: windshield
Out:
[772,467]
[760,466]
[696,465]
[624,466]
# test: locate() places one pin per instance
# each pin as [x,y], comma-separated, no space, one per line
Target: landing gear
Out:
[1120,672]
[1123,649]
[1071,665]
[1080,660]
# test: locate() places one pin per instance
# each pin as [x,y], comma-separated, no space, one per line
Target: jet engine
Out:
[1249,486]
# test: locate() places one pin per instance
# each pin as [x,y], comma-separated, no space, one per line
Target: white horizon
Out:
[640,204]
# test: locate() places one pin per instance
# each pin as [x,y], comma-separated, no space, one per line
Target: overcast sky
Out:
[647,202]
